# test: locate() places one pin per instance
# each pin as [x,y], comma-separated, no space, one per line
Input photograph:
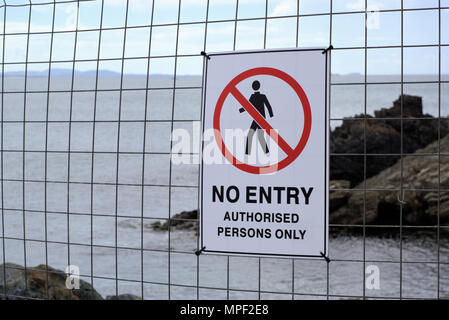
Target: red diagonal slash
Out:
[261,121]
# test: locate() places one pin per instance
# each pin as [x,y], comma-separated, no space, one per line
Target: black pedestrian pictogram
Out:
[259,101]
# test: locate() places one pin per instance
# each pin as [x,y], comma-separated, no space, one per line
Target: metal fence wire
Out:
[90,93]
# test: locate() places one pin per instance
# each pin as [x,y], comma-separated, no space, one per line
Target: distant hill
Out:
[89,73]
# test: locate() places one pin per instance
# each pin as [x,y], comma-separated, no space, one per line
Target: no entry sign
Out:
[264,168]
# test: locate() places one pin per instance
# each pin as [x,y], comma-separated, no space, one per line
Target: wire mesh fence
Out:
[92,90]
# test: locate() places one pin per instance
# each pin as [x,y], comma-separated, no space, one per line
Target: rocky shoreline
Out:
[420,168]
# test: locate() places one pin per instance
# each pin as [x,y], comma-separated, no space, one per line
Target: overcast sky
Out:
[384,29]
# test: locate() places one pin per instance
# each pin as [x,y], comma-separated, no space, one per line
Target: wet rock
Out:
[33,284]
[125,296]
[383,136]
[422,174]
[186,220]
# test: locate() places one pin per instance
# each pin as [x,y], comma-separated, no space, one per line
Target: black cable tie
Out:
[198,252]
[325,258]
[205,54]
[327,49]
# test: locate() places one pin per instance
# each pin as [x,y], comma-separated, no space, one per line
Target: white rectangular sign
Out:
[264,170]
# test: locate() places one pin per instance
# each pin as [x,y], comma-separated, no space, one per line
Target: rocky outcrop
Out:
[32,284]
[420,207]
[185,220]
[125,296]
[383,136]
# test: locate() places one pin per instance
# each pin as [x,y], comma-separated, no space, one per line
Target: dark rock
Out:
[186,220]
[419,207]
[411,107]
[125,296]
[155,225]
[33,284]
[383,136]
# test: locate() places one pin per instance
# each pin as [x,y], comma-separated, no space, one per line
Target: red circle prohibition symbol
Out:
[292,153]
